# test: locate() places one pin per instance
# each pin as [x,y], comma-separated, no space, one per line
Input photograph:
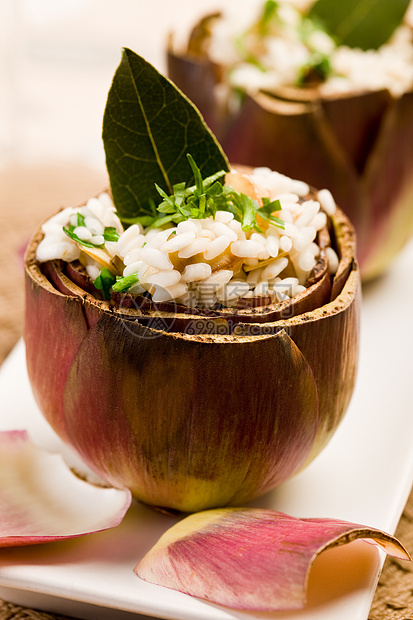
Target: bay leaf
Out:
[366,24]
[149,126]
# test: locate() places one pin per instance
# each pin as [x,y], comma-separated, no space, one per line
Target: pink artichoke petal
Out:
[250,558]
[41,500]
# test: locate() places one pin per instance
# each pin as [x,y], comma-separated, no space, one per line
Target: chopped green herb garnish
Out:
[269,12]
[243,207]
[124,282]
[205,198]
[104,281]
[267,210]
[69,232]
[80,219]
[110,234]
[316,70]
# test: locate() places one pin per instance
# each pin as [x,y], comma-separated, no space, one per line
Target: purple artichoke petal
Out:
[41,500]
[250,559]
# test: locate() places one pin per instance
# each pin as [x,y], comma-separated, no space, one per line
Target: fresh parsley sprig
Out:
[109,234]
[104,282]
[123,283]
[107,282]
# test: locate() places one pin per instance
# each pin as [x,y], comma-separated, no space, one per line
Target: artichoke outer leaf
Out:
[250,558]
[149,126]
[388,187]
[162,440]
[46,311]
[41,500]
[337,327]
[310,149]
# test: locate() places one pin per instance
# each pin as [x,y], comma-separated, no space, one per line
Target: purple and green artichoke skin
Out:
[249,559]
[358,145]
[189,420]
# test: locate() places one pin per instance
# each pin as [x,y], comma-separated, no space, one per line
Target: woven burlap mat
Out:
[29,195]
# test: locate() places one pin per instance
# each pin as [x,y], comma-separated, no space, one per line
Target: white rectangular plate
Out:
[364,475]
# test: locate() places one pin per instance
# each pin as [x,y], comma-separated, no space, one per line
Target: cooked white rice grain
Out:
[189,299]
[281,293]
[221,229]
[194,248]
[264,254]
[59,249]
[258,238]
[246,248]
[97,240]
[127,239]
[263,289]
[300,187]
[251,261]
[83,233]
[144,272]
[156,258]
[327,201]
[136,289]
[232,291]
[319,221]
[215,281]
[289,285]
[134,267]
[309,209]
[237,228]
[255,276]
[216,247]
[285,215]
[196,272]
[132,256]
[170,293]
[164,278]
[159,238]
[112,248]
[287,198]
[306,261]
[274,268]
[272,245]
[224,217]
[94,225]
[291,230]
[93,271]
[285,243]
[333,260]
[305,237]
[207,233]
[188,226]
[95,209]
[177,242]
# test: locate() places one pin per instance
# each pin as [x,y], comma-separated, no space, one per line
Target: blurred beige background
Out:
[57,60]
